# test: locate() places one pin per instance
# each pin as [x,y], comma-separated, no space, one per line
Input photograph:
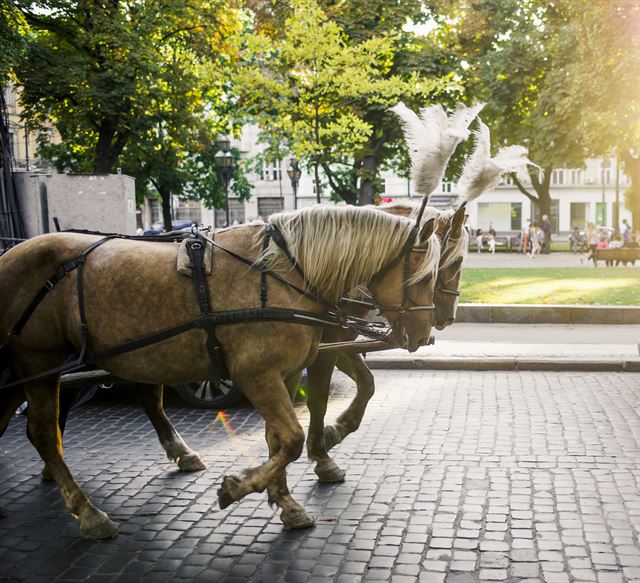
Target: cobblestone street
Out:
[453,477]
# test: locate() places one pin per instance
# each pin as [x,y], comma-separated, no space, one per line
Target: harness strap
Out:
[258,266]
[263,275]
[57,276]
[231,317]
[278,239]
[195,250]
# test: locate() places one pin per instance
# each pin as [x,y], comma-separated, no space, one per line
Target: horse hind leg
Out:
[349,421]
[319,378]
[42,398]
[10,400]
[151,397]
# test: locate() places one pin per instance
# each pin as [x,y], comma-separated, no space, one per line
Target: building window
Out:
[155,210]
[271,172]
[578,214]
[268,205]
[516,216]
[189,210]
[576,176]
[557,177]
[236,213]
[494,214]
[446,187]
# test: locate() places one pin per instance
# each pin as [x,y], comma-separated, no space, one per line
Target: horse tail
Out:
[10,400]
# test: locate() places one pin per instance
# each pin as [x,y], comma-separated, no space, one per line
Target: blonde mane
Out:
[340,247]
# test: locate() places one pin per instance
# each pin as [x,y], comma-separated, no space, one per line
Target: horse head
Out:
[404,288]
[455,243]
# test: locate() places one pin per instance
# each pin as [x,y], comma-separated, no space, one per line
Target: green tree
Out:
[12,31]
[134,80]
[603,75]
[324,92]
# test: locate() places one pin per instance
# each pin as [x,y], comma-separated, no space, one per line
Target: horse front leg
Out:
[151,398]
[355,366]
[286,438]
[319,378]
[293,513]
[45,435]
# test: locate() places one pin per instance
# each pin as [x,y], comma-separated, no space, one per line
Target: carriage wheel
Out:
[205,396]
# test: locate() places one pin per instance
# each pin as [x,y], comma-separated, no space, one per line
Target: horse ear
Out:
[425,232]
[457,221]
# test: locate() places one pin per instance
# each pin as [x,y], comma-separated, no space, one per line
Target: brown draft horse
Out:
[455,242]
[132,289]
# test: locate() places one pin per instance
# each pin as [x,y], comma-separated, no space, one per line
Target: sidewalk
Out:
[513,259]
[522,347]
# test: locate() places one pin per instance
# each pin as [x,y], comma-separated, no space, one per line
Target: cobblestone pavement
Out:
[453,476]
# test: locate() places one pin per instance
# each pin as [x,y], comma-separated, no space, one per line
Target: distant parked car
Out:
[158,228]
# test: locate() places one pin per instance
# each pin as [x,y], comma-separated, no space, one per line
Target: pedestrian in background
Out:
[534,238]
[492,239]
[526,230]
[479,239]
[592,240]
[575,239]
[626,231]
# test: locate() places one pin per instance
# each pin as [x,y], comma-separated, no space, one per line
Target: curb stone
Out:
[547,314]
[511,363]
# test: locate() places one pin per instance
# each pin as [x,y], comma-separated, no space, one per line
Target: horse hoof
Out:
[47,476]
[228,492]
[332,437]
[297,518]
[328,472]
[191,463]
[98,526]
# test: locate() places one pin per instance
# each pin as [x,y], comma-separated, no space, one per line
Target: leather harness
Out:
[208,319]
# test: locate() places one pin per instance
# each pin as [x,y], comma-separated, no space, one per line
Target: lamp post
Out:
[605,165]
[294,175]
[224,166]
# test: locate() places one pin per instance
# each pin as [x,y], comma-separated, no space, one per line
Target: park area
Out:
[618,286]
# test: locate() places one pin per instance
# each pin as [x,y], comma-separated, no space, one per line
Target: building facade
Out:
[578,196]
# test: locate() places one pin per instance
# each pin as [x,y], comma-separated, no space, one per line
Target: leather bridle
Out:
[408,305]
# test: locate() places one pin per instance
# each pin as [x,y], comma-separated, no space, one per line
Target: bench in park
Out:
[619,255]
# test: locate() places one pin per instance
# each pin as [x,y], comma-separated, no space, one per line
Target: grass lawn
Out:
[614,285]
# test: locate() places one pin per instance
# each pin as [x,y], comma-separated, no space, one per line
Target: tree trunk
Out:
[316,178]
[165,195]
[542,197]
[632,194]
[110,145]
[367,181]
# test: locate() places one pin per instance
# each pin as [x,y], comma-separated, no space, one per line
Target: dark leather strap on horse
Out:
[59,274]
[195,249]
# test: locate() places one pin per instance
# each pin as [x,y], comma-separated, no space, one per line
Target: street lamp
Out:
[294,176]
[605,165]
[224,166]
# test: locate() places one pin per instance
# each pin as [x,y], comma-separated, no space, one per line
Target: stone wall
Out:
[98,202]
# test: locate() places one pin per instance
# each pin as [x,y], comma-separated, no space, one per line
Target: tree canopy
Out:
[323,89]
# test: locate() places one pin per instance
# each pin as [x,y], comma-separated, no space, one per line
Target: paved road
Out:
[454,476]
[502,259]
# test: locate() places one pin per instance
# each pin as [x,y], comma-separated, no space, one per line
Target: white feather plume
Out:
[432,138]
[482,173]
